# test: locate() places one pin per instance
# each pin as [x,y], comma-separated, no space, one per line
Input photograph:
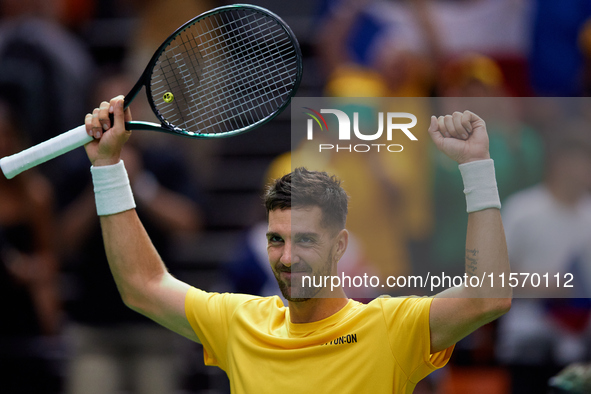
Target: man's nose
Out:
[286,255]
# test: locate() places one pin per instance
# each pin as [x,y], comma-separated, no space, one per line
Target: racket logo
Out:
[168,97]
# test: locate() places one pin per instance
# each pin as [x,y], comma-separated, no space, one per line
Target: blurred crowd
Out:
[64,328]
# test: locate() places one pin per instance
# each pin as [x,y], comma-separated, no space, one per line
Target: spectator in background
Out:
[45,68]
[155,21]
[585,46]
[496,29]
[559,42]
[471,75]
[114,348]
[548,229]
[366,55]
[407,43]
[31,313]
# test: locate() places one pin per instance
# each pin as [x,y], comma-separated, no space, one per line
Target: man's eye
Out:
[275,239]
[306,240]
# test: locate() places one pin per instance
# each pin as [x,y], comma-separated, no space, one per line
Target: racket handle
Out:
[35,155]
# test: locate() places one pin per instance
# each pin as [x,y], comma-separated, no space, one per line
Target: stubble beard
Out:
[304,293]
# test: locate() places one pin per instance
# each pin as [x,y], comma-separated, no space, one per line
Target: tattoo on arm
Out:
[471,261]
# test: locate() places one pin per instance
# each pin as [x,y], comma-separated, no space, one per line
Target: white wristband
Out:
[112,192]
[480,185]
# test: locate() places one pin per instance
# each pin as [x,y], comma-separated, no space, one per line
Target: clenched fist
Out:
[461,136]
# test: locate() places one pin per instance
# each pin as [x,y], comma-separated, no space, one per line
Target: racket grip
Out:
[35,155]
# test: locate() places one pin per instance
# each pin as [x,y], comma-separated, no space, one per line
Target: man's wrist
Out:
[106,161]
[480,185]
[473,159]
[111,189]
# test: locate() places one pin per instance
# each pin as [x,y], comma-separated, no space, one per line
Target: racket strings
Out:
[248,92]
[233,67]
[213,84]
[226,72]
[174,64]
[231,82]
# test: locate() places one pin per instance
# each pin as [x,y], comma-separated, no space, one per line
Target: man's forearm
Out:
[458,311]
[140,275]
[133,260]
[486,254]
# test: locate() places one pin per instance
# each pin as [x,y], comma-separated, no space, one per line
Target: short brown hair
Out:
[303,188]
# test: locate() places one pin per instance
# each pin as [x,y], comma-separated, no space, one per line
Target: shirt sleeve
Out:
[407,321]
[210,315]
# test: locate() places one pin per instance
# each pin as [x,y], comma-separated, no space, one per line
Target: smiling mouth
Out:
[290,274]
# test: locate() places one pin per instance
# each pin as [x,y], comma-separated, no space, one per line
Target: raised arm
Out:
[143,281]
[456,312]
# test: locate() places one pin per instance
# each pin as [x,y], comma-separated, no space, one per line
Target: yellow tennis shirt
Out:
[380,347]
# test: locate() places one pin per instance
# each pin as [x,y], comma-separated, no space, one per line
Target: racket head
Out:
[225,72]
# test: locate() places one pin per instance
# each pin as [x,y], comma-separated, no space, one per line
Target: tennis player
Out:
[317,344]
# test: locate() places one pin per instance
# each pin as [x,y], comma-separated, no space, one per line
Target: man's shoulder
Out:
[260,301]
[235,300]
[257,306]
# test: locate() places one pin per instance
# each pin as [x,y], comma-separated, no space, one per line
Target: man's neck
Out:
[315,309]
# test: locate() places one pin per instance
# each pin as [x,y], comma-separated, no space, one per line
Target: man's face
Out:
[299,245]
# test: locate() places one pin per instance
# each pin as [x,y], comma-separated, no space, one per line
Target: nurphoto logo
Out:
[393,124]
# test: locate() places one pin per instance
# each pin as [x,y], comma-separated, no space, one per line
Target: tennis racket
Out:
[224,72]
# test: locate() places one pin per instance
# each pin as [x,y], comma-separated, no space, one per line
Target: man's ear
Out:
[341,243]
